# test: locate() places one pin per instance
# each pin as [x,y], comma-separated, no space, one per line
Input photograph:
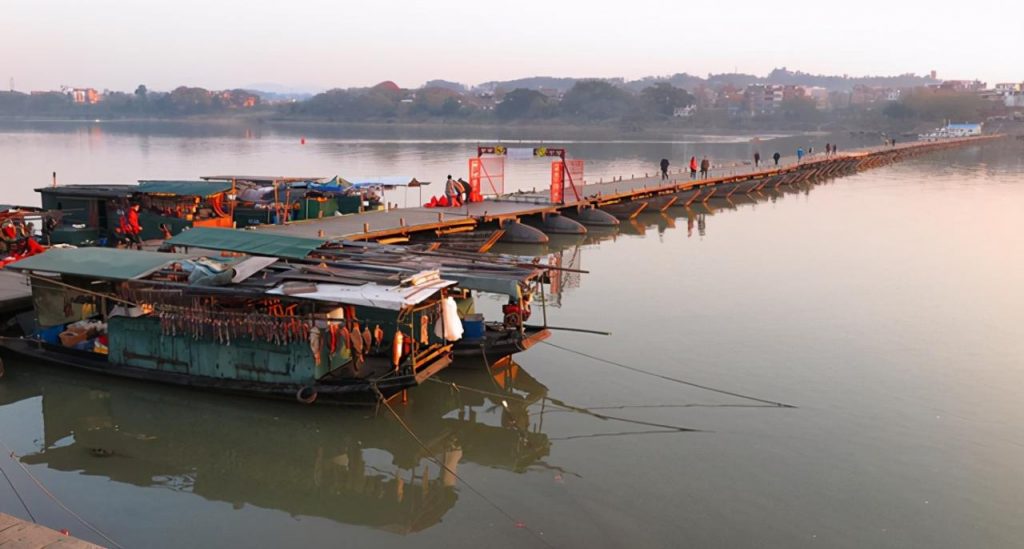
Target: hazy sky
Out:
[319,44]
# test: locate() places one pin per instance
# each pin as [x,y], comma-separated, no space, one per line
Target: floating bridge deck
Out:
[397,224]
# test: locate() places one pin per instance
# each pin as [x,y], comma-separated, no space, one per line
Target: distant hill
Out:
[532,83]
[846,83]
[446,84]
[782,76]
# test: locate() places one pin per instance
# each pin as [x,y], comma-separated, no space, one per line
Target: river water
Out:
[886,307]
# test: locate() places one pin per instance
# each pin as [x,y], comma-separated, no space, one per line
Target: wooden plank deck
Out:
[17,533]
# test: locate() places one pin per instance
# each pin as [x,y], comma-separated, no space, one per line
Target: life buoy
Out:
[306,395]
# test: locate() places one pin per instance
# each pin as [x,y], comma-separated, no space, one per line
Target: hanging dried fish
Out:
[355,341]
[378,336]
[367,340]
[343,336]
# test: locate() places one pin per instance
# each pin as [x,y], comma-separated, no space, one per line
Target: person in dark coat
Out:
[776,158]
[467,189]
[757,159]
[664,168]
[705,167]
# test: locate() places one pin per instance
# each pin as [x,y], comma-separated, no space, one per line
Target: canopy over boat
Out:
[388,182]
[201,189]
[98,263]
[392,298]
[91,191]
[261,179]
[247,242]
[485,273]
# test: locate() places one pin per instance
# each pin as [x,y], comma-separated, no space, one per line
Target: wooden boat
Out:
[507,276]
[250,327]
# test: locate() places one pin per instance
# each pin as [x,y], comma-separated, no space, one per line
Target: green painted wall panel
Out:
[139,342]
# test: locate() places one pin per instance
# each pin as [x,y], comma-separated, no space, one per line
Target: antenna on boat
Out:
[55,179]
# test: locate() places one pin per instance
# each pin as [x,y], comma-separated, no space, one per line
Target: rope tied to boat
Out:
[57,500]
[669,378]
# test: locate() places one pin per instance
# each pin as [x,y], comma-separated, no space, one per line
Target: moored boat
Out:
[510,277]
[249,326]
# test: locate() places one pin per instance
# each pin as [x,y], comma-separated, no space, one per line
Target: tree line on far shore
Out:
[585,102]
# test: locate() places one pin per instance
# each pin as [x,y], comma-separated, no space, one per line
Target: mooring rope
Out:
[57,500]
[668,378]
[566,407]
[18,495]
[430,455]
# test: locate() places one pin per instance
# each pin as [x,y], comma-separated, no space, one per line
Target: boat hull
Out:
[347,391]
[496,345]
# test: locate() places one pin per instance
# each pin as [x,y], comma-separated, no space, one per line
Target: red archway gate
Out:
[489,168]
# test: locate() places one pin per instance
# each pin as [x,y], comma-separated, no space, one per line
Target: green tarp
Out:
[99,263]
[247,242]
[185,188]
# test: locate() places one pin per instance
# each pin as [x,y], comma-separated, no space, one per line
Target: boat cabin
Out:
[92,214]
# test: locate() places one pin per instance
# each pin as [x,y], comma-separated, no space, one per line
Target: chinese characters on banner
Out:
[557,182]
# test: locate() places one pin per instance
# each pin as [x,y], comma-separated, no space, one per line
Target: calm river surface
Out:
[887,307]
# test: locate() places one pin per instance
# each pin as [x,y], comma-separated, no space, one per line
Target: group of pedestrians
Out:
[703,167]
[457,191]
[757,158]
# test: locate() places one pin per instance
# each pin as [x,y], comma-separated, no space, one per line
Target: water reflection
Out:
[345,465]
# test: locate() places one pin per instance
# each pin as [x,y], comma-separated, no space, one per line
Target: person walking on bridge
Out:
[693,167]
[776,158]
[757,159]
[799,154]
[664,169]
[705,167]
[828,150]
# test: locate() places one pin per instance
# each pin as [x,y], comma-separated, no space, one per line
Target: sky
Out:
[312,45]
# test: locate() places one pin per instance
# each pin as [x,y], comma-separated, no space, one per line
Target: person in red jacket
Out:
[129,225]
[693,167]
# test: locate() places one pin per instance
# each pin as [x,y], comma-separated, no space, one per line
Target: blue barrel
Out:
[473,327]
